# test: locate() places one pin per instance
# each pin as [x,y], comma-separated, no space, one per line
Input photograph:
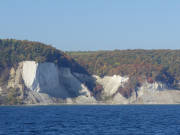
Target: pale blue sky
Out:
[93,24]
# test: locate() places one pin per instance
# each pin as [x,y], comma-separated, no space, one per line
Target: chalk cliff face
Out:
[111,84]
[45,83]
[149,93]
[43,78]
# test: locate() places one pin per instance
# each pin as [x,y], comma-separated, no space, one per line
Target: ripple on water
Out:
[92,120]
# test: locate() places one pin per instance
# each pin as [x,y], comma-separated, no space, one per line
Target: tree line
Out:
[14,51]
[139,65]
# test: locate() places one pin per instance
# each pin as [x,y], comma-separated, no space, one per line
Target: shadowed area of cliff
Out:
[48,78]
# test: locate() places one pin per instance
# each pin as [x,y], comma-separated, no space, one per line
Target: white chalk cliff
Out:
[111,84]
[44,78]
[149,93]
[45,83]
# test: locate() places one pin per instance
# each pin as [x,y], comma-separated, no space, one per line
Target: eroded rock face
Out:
[29,71]
[43,78]
[155,93]
[111,84]
[47,81]
[156,86]
[0,90]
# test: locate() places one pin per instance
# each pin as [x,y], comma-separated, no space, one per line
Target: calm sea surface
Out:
[90,120]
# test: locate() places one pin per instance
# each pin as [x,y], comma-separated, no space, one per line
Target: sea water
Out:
[90,120]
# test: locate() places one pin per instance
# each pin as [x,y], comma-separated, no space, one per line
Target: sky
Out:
[88,25]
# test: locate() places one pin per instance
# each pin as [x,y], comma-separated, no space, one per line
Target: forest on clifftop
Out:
[139,65]
[14,51]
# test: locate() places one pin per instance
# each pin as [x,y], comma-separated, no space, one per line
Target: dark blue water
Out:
[90,120]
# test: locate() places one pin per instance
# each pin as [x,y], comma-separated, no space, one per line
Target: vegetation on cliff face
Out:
[139,65]
[14,51]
